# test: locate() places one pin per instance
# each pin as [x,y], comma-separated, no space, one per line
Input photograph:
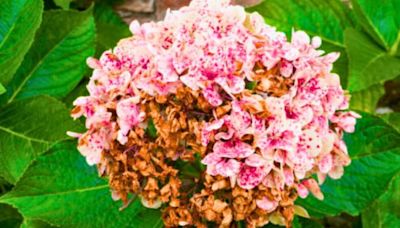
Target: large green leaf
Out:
[19,20]
[326,19]
[381,19]
[60,188]
[384,212]
[56,62]
[393,119]
[366,100]
[375,152]
[27,129]
[369,64]
[110,27]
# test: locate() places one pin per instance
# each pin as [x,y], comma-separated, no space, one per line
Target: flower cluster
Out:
[262,112]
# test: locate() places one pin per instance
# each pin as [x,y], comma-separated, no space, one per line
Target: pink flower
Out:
[267,204]
[86,107]
[233,148]
[93,143]
[129,115]
[326,163]
[249,177]
[209,129]
[313,187]
[217,165]
[239,120]
[232,84]
[212,96]
[302,190]
[214,49]
[301,162]
[288,176]
[286,69]
[311,141]
[256,160]
[345,120]
[228,167]
[100,117]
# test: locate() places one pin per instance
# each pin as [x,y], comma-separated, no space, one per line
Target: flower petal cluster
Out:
[263,112]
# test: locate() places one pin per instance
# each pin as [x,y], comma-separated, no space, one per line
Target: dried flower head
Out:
[211,81]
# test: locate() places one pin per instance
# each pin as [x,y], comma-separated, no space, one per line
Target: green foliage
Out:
[372,59]
[393,119]
[56,61]
[299,222]
[80,90]
[64,4]
[62,189]
[151,129]
[326,19]
[9,216]
[367,99]
[251,85]
[2,89]
[19,21]
[381,20]
[27,129]
[368,61]
[385,211]
[35,223]
[110,27]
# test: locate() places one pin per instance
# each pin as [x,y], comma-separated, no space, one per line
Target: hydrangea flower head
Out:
[262,112]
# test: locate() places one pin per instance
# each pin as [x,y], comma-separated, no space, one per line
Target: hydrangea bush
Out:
[264,113]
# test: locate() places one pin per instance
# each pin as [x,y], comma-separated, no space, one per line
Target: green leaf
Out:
[366,100]
[151,129]
[375,152]
[251,85]
[35,223]
[369,65]
[27,129]
[381,19]
[393,119]
[110,27]
[4,186]
[9,216]
[57,60]
[61,189]
[385,212]
[64,4]
[80,90]
[2,89]
[19,21]
[326,19]
[300,222]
